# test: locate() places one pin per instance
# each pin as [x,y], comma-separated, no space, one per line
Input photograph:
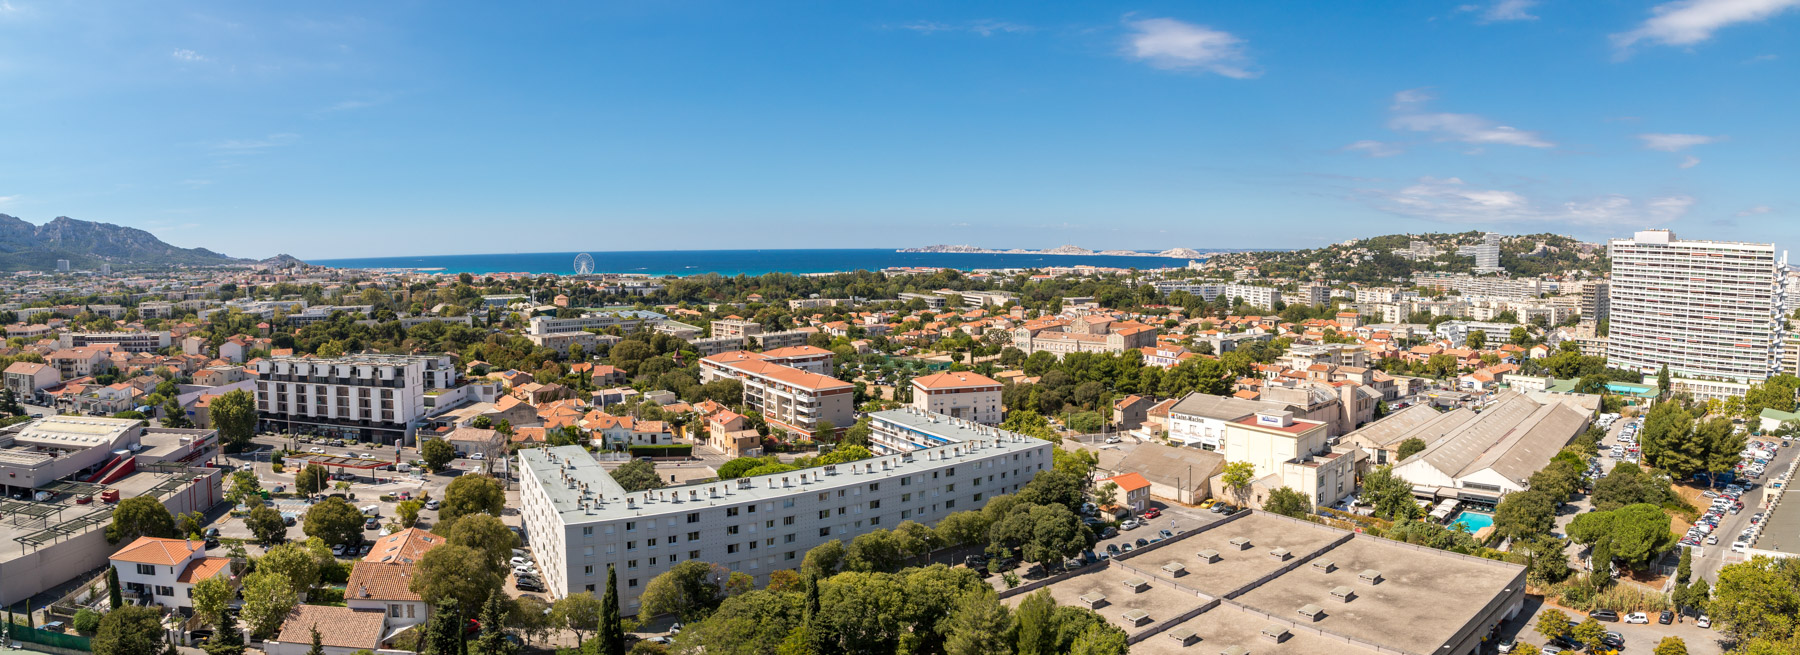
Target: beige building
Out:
[965,395]
[1095,333]
[24,379]
[1292,453]
[789,398]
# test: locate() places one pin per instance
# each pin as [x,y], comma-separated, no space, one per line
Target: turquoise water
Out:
[1472,522]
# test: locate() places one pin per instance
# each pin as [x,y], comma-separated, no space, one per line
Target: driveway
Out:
[1639,638]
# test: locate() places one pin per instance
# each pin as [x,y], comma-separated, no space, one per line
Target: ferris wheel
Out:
[584,264]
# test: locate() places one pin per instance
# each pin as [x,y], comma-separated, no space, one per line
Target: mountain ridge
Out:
[87,244]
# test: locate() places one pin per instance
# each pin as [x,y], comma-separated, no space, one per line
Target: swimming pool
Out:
[1472,522]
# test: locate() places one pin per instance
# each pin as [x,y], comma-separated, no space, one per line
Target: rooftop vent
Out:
[1324,565]
[1342,593]
[1275,632]
[1209,556]
[1241,543]
[1280,554]
[1136,617]
[1370,576]
[1312,612]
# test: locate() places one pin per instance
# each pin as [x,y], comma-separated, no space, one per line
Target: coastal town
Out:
[1433,444]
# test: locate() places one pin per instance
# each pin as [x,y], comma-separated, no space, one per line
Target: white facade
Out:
[968,396]
[166,570]
[1706,309]
[368,397]
[580,521]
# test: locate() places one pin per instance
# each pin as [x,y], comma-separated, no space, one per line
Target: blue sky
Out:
[405,128]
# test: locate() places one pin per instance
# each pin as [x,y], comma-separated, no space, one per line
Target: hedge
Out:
[677,450]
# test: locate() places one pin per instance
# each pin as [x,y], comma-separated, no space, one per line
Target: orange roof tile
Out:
[153,550]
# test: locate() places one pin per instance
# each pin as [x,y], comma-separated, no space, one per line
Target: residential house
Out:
[1133,492]
[27,379]
[341,630]
[165,571]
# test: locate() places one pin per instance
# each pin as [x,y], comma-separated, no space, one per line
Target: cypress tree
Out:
[1685,569]
[493,629]
[612,628]
[809,618]
[228,640]
[112,586]
[318,645]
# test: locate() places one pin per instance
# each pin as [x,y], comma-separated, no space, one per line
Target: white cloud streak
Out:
[247,146]
[1690,161]
[978,27]
[187,56]
[1452,200]
[1675,142]
[1465,128]
[1753,211]
[1505,10]
[1374,148]
[1171,44]
[1689,22]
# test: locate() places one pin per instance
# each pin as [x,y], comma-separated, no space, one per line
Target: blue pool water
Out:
[1472,522]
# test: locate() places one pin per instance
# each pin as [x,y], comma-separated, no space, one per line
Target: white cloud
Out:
[1466,128]
[7,200]
[1688,22]
[1690,161]
[1374,148]
[1759,209]
[1175,45]
[1504,10]
[1675,142]
[981,27]
[255,145]
[187,56]
[1452,200]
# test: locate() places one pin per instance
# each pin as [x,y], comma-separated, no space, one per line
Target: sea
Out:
[739,262]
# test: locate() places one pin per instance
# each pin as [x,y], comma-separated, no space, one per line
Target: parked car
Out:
[1130,524]
[1603,615]
[1166,534]
[1704,622]
[1152,513]
[1637,617]
[1666,618]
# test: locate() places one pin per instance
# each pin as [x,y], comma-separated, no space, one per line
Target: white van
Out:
[371,510]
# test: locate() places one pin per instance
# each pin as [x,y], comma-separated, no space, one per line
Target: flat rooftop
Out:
[1423,598]
[1159,598]
[28,518]
[1227,625]
[1781,528]
[1237,568]
[570,475]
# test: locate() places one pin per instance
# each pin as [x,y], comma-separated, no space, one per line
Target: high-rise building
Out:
[62,265]
[1596,301]
[377,398]
[1486,253]
[105,268]
[1709,310]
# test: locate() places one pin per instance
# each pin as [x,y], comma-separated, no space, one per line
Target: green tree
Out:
[1408,448]
[295,563]
[530,616]
[114,593]
[756,623]
[612,627]
[210,599]
[312,479]
[233,414]
[1055,487]
[1036,619]
[268,598]
[334,521]
[1662,382]
[129,630]
[1287,502]
[824,560]
[86,621]
[457,573]
[443,632]
[318,644]
[1670,645]
[858,433]
[1757,599]
[437,454]
[1237,478]
[486,534]
[1633,534]
[1553,625]
[638,475]
[879,550]
[580,613]
[470,494]
[1099,639]
[690,590]
[266,524]
[1476,340]
[140,516]
[1522,514]
[980,626]
[1046,534]
[1685,569]
[1590,633]
[492,640]
[1390,494]
[408,512]
[228,639]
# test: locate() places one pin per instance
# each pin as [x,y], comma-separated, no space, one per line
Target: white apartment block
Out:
[964,395]
[580,521]
[165,571]
[625,319]
[736,328]
[1202,290]
[376,398]
[789,398]
[1709,310]
[564,342]
[137,342]
[1254,296]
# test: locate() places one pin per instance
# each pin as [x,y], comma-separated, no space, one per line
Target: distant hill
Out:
[1376,260]
[86,244]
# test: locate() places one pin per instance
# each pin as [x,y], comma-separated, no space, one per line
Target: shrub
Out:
[86,621]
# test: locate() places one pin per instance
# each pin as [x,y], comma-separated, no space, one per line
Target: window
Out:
[875,504]
[630,545]
[632,583]
[788,539]
[950,488]
[978,498]
[631,564]
[590,588]
[787,520]
[949,471]
[731,511]
[824,532]
[731,548]
[731,529]
[146,569]
[874,486]
[906,481]
[651,542]
[787,503]
[824,513]
[750,509]
[587,531]
[906,498]
[693,554]
[394,610]
[949,504]
[875,521]
[790,555]
[693,517]
[589,569]
[631,526]
[653,561]
[693,536]
[164,591]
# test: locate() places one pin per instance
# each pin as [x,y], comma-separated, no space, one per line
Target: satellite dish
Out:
[584,264]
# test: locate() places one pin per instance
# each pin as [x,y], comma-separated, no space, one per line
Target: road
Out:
[1712,558]
[1639,638]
